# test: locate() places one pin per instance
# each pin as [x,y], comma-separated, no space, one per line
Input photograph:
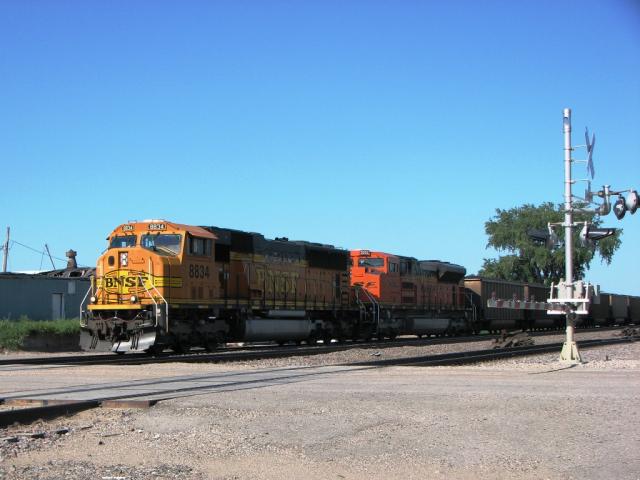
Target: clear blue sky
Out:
[395,126]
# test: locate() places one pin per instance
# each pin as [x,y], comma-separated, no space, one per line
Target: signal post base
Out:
[570,353]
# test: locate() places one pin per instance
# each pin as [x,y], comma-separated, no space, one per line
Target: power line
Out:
[42,252]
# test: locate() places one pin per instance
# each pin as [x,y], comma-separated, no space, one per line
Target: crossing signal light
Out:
[547,237]
[590,234]
[620,208]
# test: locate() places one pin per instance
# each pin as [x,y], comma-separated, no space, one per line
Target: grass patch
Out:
[13,332]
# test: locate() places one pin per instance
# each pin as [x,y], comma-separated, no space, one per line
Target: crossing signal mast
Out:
[570,297]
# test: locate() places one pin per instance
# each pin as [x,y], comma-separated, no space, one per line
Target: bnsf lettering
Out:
[113,282]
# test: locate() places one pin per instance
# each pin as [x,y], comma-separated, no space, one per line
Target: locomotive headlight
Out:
[92,299]
[133,299]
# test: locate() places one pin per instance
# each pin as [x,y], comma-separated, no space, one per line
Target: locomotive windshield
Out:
[371,262]
[123,241]
[162,242]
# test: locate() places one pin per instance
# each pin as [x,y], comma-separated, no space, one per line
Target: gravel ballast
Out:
[529,418]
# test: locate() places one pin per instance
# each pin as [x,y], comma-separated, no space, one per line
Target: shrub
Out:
[13,332]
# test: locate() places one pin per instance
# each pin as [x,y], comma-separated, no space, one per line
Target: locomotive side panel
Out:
[281,274]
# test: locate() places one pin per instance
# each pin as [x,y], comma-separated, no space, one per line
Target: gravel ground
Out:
[525,418]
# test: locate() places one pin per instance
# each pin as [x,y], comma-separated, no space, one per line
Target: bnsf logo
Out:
[125,282]
[113,282]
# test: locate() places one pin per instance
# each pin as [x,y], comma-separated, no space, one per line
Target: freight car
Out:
[634,310]
[614,309]
[480,289]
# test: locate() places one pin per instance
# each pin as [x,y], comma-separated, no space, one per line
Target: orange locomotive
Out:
[162,284]
[409,296]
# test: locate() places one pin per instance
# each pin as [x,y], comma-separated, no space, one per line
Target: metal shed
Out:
[41,297]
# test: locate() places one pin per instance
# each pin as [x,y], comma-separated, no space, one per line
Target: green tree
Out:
[526,260]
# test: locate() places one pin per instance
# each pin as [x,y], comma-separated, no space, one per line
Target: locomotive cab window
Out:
[123,241]
[166,243]
[371,262]
[199,246]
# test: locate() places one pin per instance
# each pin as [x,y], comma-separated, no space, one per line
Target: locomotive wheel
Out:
[154,350]
[180,347]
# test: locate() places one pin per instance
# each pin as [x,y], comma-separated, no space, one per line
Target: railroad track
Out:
[54,403]
[255,352]
[233,354]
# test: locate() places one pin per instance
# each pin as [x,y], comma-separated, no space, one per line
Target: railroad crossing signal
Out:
[590,146]
[590,234]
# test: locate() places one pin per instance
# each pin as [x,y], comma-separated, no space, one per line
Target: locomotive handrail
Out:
[82,322]
[156,303]
[376,309]
[371,298]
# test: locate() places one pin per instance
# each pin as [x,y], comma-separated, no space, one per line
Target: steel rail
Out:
[255,352]
[477,356]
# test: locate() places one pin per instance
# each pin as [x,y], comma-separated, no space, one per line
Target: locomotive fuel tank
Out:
[277,329]
[428,326]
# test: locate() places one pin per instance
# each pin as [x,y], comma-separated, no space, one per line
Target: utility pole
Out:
[570,348]
[6,251]
[50,257]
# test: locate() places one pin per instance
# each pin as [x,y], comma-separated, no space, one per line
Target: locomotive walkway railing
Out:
[157,310]
[375,306]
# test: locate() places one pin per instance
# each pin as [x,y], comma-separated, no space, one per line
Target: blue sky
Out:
[394,126]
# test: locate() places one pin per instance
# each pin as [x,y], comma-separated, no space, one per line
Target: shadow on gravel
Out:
[555,369]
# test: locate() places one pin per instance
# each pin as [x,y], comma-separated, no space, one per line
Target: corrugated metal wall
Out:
[41,298]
